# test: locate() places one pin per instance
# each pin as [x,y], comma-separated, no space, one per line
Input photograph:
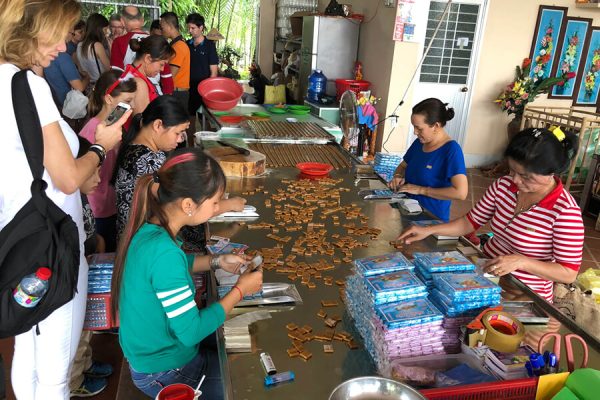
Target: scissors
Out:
[568,339]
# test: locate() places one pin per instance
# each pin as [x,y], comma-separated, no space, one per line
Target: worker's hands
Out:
[232,263]
[396,182]
[412,189]
[232,204]
[504,265]
[109,136]
[250,282]
[414,234]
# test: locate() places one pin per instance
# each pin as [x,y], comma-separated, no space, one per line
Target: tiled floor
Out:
[106,347]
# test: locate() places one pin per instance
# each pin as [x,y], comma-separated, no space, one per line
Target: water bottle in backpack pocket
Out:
[32,288]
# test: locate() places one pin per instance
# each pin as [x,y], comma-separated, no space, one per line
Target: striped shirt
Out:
[550,231]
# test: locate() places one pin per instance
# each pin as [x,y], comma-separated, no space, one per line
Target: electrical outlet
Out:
[393,121]
[389,3]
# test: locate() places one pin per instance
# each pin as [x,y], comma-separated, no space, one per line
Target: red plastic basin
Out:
[219,93]
[314,168]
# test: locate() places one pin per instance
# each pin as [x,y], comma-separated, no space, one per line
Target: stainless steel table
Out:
[316,378]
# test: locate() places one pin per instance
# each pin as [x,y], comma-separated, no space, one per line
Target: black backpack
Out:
[39,235]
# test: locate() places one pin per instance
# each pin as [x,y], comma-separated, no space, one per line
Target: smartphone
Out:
[117,113]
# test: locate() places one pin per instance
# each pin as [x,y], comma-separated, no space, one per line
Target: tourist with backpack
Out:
[38,144]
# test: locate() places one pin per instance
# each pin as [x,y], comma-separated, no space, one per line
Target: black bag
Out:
[40,234]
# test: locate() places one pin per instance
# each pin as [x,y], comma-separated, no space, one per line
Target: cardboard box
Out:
[296,21]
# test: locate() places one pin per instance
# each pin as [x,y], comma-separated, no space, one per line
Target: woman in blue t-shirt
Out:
[433,170]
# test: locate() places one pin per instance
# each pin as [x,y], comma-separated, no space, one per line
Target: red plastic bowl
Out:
[219,93]
[231,119]
[314,168]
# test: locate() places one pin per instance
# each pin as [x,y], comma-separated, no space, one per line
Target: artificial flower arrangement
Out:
[568,64]
[525,88]
[544,55]
[591,75]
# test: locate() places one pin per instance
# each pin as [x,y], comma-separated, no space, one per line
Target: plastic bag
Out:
[275,94]
[75,105]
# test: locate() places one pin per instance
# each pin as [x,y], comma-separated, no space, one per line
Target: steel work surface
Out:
[317,377]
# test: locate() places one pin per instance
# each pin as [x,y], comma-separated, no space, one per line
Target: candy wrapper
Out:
[466,287]
[446,261]
[382,264]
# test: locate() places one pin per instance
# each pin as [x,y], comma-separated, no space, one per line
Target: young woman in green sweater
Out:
[153,292]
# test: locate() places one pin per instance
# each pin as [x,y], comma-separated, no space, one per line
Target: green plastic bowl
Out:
[299,107]
[261,114]
[299,112]
[277,110]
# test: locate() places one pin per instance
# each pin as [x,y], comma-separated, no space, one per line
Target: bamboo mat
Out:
[288,130]
[288,155]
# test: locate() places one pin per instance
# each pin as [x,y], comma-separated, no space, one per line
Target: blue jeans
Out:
[205,363]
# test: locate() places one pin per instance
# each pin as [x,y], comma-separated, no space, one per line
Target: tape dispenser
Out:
[496,329]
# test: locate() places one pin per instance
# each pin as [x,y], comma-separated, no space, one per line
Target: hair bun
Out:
[449,113]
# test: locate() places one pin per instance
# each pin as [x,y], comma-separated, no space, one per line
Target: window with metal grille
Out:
[449,58]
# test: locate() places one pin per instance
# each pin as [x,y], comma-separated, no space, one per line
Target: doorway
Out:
[448,71]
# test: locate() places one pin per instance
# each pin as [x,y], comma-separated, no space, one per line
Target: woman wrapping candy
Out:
[433,170]
[537,225]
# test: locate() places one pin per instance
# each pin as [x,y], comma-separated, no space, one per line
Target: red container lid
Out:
[314,168]
[43,273]
[176,391]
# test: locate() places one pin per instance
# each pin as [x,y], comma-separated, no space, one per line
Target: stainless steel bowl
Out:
[374,388]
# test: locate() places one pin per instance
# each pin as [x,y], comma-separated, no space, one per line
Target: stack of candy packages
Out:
[389,306]
[100,272]
[97,307]
[462,296]
[429,264]
[385,165]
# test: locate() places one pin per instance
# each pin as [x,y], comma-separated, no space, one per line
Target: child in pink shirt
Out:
[108,92]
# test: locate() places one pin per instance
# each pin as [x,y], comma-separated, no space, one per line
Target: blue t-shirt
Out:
[434,169]
[59,73]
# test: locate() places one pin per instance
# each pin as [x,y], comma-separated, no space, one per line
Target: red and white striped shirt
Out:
[551,230]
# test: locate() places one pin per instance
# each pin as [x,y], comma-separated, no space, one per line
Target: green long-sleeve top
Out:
[161,325]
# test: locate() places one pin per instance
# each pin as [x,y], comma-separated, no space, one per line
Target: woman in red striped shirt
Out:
[537,225]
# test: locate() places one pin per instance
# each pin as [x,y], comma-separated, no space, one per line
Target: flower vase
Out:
[514,127]
[560,89]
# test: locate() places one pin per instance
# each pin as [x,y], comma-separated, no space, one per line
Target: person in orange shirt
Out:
[180,64]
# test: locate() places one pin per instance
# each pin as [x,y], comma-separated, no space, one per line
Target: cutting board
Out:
[236,164]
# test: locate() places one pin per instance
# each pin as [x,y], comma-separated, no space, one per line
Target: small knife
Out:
[239,149]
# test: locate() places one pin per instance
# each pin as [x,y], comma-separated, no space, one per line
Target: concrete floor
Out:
[106,346]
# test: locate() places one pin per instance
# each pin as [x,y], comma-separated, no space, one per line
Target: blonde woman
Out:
[31,37]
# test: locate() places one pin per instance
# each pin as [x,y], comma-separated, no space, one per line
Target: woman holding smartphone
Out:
[32,33]
[107,94]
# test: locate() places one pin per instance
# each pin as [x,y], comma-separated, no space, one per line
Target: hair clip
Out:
[125,76]
[558,133]
[155,177]
[537,132]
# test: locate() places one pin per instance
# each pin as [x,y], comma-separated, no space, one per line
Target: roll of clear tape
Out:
[504,331]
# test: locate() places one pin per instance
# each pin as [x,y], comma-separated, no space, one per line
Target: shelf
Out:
[587,5]
[292,41]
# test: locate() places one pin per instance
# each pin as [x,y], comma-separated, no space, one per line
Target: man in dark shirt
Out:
[204,60]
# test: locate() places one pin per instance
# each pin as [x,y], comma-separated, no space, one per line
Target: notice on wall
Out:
[404,26]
